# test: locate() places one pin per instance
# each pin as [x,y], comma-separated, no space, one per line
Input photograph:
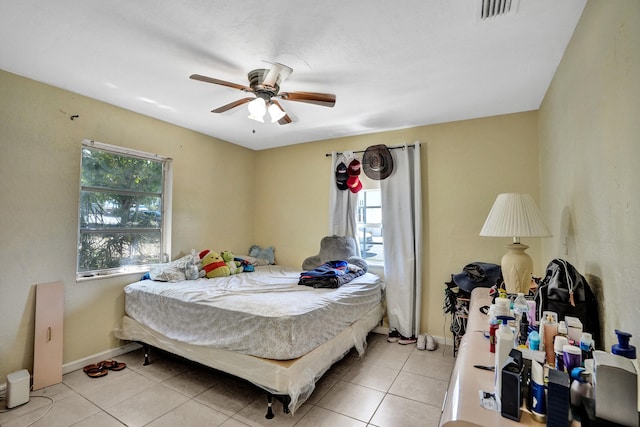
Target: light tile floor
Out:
[391,385]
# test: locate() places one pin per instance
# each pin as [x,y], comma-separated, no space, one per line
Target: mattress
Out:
[264,313]
[294,378]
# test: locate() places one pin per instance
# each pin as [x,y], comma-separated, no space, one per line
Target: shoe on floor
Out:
[432,344]
[112,365]
[394,336]
[95,371]
[407,340]
[422,342]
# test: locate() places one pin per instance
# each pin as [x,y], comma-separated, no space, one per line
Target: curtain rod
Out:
[362,151]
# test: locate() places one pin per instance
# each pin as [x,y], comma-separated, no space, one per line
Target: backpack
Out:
[566,292]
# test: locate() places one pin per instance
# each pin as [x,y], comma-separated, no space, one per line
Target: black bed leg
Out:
[145,348]
[285,405]
[269,404]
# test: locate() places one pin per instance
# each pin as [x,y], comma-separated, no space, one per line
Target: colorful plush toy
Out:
[213,264]
[234,266]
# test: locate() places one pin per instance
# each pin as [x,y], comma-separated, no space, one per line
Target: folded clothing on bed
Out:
[331,274]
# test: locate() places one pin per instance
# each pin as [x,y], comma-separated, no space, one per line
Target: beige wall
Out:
[39,183]
[590,159]
[465,166]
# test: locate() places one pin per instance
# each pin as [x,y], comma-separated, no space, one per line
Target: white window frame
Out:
[166,203]
[363,226]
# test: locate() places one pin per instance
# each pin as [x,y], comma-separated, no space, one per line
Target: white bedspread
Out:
[264,313]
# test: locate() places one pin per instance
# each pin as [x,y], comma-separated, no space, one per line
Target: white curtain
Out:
[402,224]
[343,203]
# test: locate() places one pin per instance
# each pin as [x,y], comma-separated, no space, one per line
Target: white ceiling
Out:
[391,64]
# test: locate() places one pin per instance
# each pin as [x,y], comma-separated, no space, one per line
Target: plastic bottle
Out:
[558,346]
[504,345]
[623,348]
[538,398]
[549,329]
[520,311]
[523,331]
[520,307]
[534,341]
[494,324]
[502,305]
[580,386]
[562,329]
[586,346]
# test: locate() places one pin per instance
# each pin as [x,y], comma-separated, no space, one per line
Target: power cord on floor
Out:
[46,412]
[3,397]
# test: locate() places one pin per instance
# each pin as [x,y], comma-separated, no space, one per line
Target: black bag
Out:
[478,274]
[566,292]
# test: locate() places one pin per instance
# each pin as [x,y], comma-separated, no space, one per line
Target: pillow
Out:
[266,253]
[170,272]
[166,273]
[335,248]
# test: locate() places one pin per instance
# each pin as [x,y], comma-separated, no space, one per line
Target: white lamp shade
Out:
[514,215]
[275,112]
[257,109]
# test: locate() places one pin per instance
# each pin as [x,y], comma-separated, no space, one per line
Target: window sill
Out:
[97,276]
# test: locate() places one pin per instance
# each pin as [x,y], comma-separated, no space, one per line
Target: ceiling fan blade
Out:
[231,105]
[285,120]
[277,74]
[220,82]
[323,99]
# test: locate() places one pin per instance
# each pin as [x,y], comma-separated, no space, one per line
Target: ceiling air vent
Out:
[493,8]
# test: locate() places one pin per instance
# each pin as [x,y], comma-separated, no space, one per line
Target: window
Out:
[124,215]
[369,222]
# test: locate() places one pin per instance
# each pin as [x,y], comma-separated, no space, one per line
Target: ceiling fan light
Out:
[256,118]
[275,112]
[257,108]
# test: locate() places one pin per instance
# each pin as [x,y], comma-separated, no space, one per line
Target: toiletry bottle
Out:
[558,347]
[502,306]
[520,307]
[580,386]
[549,326]
[504,345]
[534,340]
[562,329]
[523,332]
[586,346]
[520,311]
[538,399]
[494,324]
[623,348]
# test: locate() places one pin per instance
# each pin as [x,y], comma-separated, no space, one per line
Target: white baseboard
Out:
[385,331]
[94,358]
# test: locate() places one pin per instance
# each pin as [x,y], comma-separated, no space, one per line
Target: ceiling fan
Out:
[265,85]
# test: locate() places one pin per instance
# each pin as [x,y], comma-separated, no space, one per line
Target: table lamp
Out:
[515,215]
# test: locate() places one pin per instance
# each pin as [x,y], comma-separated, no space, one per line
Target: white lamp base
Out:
[517,267]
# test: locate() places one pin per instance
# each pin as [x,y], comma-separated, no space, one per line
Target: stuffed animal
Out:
[263,253]
[213,265]
[234,266]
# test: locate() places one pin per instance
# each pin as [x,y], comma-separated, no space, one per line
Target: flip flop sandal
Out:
[94,371]
[113,365]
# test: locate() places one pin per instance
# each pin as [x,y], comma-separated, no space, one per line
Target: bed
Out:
[260,326]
